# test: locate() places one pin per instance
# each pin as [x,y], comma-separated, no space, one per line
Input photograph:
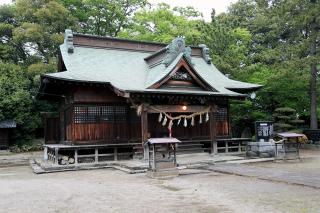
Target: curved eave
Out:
[246,89]
[196,93]
[43,93]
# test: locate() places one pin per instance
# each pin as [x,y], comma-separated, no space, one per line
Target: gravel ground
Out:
[109,190]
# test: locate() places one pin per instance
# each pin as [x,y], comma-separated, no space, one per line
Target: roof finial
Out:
[205,53]
[176,47]
[68,39]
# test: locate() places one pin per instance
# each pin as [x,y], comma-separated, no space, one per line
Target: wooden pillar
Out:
[144,129]
[45,154]
[56,155]
[154,157]
[62,123]
[229,119]
[75,156]
[96,155]
[144,124]
[227,146]
[174,154]
[149,158]
[115,153]
[240,147]
[213,131]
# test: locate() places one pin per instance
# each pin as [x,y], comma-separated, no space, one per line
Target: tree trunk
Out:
[313,97]
[313,82]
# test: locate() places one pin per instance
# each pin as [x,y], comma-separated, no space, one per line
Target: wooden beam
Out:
[176,108]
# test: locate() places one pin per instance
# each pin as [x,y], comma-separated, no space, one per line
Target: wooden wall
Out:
[121,124]
[102,124]
[52,130]
[85,94]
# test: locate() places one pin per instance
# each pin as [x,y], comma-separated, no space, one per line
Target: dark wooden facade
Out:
[94,115]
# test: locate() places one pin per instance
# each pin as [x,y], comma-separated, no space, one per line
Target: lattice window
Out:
[107,113]
[221,114]
[121,113]
[80,114]
[95,114]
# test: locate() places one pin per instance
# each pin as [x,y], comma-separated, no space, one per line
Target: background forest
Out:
[270,42]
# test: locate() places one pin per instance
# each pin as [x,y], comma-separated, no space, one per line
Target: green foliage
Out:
[286,119]
[285,110]
[41,25]
[15,101]
[32,145]
[228,46]
[163,24]
[30,33]
[103,17]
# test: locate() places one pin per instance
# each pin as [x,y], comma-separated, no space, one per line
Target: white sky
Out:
[203,6]
[5,1]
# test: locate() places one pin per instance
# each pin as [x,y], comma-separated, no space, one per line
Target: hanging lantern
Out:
[160,117]
[200,119]
[164,121]
[185,124]
[179,121]
[192,121]
[207,117]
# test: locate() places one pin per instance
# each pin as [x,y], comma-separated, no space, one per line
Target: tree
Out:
[162,24]
[229,46]
[285,37]
[15,100]
[30,33]
[298,25]
[103,17]
[41,24]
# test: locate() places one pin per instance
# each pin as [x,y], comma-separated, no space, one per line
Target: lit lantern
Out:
[184,108]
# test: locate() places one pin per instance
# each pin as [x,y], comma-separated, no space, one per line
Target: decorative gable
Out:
[182,76]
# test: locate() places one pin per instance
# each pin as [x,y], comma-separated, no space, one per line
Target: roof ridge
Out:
[126,39]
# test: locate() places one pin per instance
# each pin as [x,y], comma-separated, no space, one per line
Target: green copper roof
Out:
[128,71]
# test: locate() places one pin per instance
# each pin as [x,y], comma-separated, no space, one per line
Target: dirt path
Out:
[108,190]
